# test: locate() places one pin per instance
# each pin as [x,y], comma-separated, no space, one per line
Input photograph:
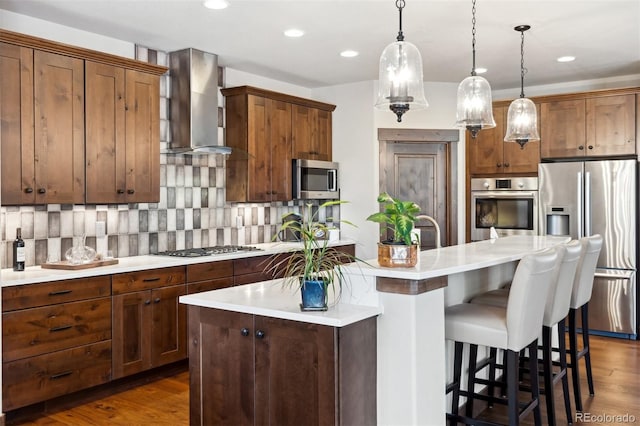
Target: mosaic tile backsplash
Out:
[192,211]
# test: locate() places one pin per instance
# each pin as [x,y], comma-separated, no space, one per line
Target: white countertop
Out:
[36,274]
[271,299]
[461,258]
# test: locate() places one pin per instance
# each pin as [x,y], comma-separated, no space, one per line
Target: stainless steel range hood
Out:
[194,103]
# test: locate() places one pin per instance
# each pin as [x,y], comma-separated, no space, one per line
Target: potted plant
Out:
[399,216]
[315,266]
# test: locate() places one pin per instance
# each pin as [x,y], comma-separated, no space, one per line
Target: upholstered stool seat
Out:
[511,329]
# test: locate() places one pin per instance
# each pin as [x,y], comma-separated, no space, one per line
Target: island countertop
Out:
[450,260]
[272,299]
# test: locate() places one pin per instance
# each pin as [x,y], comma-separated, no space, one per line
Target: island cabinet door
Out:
[295,373]
[221,367]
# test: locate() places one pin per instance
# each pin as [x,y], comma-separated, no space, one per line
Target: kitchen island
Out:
[411,350]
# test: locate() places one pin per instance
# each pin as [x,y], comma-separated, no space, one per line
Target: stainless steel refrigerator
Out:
[583,198]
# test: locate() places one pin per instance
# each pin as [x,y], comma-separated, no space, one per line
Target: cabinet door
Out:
[16,131]
[311,133]
[221,367]
[279,133]
[169,330]
[59,128]
[485,152]
[143,137]
[323,146]
[611,125]
[259,148]
[295,373]
[563,129]
[105,133]
[131,333]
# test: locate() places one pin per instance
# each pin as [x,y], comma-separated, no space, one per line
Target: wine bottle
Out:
[18,252]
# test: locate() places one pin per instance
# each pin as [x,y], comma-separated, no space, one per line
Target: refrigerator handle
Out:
[587,204]
[579,194]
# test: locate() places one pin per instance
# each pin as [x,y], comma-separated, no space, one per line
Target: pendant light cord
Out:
[522,69]
[400,5]
[473,38]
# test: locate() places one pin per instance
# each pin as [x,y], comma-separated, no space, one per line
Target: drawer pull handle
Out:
[147,302]
[59,293]
[148,280]
[60,375]
[60,328]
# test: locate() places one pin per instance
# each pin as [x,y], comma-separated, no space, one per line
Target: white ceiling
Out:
[604,35]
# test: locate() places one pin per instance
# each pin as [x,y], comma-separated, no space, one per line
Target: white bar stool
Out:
[556,310]
[580,296]
[512,329]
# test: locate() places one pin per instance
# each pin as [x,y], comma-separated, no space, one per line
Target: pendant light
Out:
[522,118]
[400,85]
[474,111]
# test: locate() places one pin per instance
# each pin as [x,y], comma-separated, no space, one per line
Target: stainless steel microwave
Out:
[315,180]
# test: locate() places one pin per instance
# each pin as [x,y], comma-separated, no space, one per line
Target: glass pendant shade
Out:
[474,111]
[400,85]
[522,122]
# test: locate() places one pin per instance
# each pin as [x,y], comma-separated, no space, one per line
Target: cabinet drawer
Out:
[34,295]
[146,280]
[208,285]
[209,271]
[43,377]
[37,331]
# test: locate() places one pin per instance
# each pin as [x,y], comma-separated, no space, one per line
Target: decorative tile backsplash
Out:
[192,211]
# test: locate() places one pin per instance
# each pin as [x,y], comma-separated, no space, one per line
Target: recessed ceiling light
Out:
[293,32]
[566,58]
[349,53]
[480,70]
[216,4]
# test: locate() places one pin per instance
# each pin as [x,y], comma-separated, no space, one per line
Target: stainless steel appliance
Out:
[598,197]
[509,205]
[207,251]
[315,180]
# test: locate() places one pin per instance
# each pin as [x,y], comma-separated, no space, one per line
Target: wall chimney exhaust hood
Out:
[194,103]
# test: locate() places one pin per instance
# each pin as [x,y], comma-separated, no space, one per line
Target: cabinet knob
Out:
[244,331]
[147,302]
[28,190]
[506,164]
[260,334]
[156,300]
[499,165]
[130,191]
[42,191]
[590,146]
[120,191]
[581,147]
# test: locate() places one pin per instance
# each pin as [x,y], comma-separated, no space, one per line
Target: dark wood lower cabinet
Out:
[254,370]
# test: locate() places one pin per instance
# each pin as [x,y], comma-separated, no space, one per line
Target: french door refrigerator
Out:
[582,198]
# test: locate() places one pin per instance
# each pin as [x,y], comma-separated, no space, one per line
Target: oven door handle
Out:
[495,194]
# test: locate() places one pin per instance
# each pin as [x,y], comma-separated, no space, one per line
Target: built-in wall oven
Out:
[509,205]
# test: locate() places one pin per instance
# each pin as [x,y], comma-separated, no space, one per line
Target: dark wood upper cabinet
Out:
[45,94]
[266,130]
[596,125]
[488,153]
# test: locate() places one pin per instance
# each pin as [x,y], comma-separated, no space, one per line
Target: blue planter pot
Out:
[314,295]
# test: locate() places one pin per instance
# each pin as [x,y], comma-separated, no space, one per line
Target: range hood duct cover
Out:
[194,103]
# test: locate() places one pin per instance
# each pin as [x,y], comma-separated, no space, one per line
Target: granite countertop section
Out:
[272,299]
[461,258]
[36,274]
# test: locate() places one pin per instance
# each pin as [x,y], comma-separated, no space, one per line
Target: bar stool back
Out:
[512,329]
[580,296]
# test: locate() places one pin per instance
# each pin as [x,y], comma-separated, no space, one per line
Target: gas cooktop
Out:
[207,251]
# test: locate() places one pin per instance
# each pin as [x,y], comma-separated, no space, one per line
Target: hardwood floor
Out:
[616,368]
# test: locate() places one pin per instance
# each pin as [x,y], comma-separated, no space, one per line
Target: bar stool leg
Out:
[573,356]
[535,389]
[548,375]
[471,378]
[457,372]
[511,363]
[585,344]
[562,350]
[493,356]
